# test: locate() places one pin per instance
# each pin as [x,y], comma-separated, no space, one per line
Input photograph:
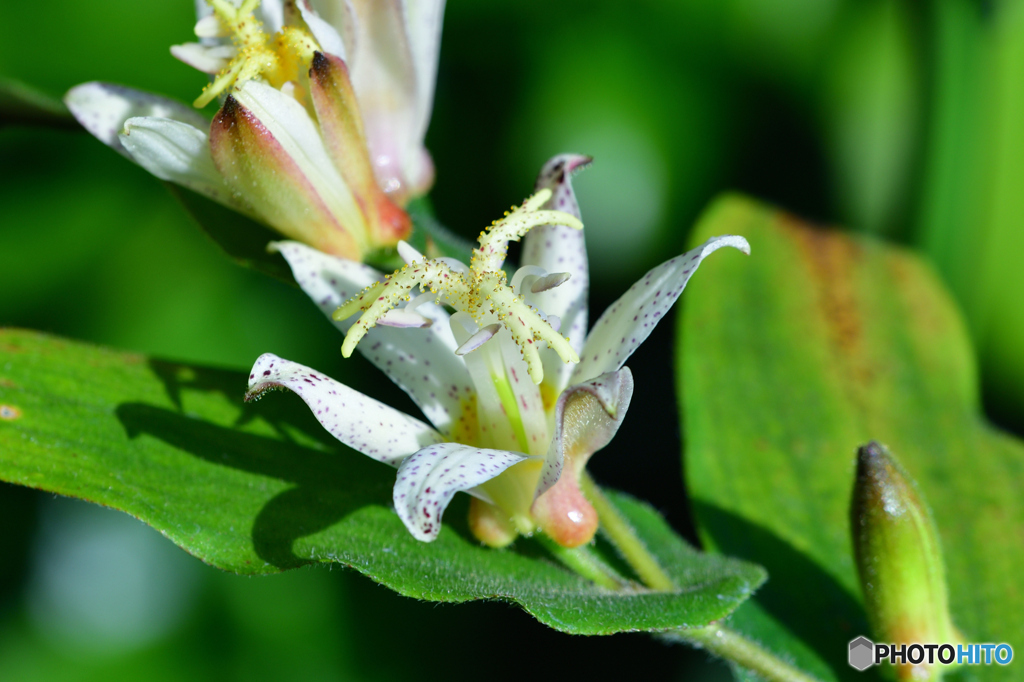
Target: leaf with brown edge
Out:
[790,360]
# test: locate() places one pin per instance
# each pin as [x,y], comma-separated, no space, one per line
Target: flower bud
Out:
[490,525]
[899,558]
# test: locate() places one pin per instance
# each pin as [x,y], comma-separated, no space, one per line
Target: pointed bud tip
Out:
[898,553]
[229,113]
[322,64]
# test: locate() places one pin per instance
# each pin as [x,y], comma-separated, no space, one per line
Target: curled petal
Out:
[420,361]
[632,318]
[360,422]
[559,248]
[587,417]
[429,479]
[103,108]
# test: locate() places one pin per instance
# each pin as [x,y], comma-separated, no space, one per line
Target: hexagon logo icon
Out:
[862,653]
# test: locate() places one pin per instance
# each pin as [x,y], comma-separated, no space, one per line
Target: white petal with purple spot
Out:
[429,479]
[102,109]
[421,361]
[632,318]
[358,421]
[561,249]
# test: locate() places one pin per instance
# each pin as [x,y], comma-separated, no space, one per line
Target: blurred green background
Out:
[902,119]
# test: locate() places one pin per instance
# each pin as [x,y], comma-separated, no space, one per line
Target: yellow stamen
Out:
[483,292]
[277,61]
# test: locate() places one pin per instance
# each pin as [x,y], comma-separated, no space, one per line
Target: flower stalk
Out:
[716,639]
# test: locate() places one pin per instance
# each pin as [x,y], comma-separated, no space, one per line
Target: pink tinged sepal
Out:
[421,361]
[429,479]
[587,417]
[103,108]
[270,153]
[632,318]
[561,249]
[360,422]
[341,125]
[393,57]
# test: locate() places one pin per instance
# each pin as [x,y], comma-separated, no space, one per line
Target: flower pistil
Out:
[482,290]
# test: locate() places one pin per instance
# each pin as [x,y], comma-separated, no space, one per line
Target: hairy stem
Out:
[734,647]
[721,641]
[583,562]
[622,535]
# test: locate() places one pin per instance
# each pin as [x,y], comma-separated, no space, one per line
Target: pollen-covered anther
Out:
[490,255]
[276,61]
[482,290]
[378,299]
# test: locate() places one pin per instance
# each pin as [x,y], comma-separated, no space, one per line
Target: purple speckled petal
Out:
[102,109]
[587,417]
[632,318]
[421,361]
[360,422]
[429,479]
[557,249]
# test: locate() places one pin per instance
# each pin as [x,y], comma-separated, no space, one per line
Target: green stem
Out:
[722,642]
[732,646]
[583,562]
[622,535]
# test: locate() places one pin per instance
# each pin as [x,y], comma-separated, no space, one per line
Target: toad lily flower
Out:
[517,408]
[320,134]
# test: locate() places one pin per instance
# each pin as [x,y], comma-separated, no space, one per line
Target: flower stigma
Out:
[481,291]
[277,59]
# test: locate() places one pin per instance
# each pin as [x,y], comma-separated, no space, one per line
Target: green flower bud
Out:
[899,559]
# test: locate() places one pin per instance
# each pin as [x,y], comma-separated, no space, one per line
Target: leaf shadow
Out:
[329,485]
[283,416]
[799,594]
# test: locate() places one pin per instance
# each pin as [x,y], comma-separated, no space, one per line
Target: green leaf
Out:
[21,104]
[972,188]
[258,488]
[791,359]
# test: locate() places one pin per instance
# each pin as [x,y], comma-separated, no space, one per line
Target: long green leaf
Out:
[816,344]
[259,488]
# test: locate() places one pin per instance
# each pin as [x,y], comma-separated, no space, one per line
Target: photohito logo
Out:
[864,653]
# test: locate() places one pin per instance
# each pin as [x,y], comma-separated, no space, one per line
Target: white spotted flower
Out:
[324,106]
[518,395]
